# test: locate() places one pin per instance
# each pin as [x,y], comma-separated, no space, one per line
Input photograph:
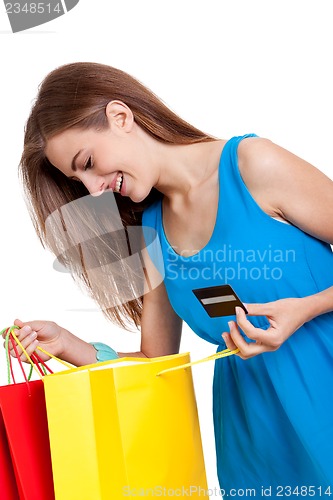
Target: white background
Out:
[228,67]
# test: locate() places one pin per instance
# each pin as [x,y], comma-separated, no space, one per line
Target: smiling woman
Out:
[216,206]
[101,152]
[91,123]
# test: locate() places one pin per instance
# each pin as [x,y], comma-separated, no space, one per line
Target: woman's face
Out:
[115,158]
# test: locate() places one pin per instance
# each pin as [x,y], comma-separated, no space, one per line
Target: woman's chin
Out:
[138,197]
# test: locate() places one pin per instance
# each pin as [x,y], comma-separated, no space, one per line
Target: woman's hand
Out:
[285,317]
[32,334]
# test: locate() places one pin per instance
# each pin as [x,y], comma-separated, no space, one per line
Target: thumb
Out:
[35,325]
[259,309]
[19,323]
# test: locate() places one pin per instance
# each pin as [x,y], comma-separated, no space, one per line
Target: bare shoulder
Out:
[261,163]
[287,186]
[265,165]
[258,155]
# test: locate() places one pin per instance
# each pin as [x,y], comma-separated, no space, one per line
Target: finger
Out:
[246,349]
[4,335]
[250,330]
[26,338]
[29,350]
[258,309]
[29,344]
[35,324]
[269,337]
[228,341]
[24,332]
[19,323]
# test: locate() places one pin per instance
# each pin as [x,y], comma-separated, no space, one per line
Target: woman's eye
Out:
[88,164]
[75,179]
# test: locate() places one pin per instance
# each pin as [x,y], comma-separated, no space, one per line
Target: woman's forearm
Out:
[319,303]
[75,350]
[138,354]
[79,353]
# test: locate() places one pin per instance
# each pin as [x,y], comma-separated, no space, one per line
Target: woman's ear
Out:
[119,116]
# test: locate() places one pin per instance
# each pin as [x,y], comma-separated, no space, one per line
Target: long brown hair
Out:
[76,95]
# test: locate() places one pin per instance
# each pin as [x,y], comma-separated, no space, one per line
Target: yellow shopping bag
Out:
[125,428]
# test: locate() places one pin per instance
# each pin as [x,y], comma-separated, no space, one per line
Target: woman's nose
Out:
[96,185]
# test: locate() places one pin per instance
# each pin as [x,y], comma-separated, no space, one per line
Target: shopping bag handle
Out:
[34,359]
[217,355]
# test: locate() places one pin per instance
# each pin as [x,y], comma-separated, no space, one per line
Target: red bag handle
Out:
[35,361]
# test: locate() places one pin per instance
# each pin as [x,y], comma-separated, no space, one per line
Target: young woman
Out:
[242,211]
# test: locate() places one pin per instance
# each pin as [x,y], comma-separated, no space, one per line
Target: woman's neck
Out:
[182,170]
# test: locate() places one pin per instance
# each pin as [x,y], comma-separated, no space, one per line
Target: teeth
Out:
[118,183]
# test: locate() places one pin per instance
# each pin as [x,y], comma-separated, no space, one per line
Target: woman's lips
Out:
[123,186]
[114,181]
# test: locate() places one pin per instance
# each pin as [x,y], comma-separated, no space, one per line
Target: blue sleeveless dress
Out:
[273,413]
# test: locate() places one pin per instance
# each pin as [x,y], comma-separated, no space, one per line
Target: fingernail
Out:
[224,337]
[34,335]
[230,324]
[34,344]
[238,309]
[26,329]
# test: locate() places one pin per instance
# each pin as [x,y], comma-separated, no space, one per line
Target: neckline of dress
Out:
[189,257]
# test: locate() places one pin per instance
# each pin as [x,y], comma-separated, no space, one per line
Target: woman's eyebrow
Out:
[74,166]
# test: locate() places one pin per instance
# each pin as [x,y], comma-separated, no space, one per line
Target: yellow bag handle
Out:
[217,355]
[68,365]
[11,331]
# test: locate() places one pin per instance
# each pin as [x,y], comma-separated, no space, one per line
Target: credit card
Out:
[219,300]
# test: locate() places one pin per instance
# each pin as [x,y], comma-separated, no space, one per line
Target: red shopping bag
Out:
[8,489]
[25,462]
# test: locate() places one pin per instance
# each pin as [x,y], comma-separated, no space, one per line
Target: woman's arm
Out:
[160,334]
[54,339]
[287,186]
[161,328]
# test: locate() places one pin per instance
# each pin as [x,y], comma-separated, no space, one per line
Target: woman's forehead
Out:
[66,141]
[60,148]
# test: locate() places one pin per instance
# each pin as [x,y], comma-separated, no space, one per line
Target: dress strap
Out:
[238,203]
